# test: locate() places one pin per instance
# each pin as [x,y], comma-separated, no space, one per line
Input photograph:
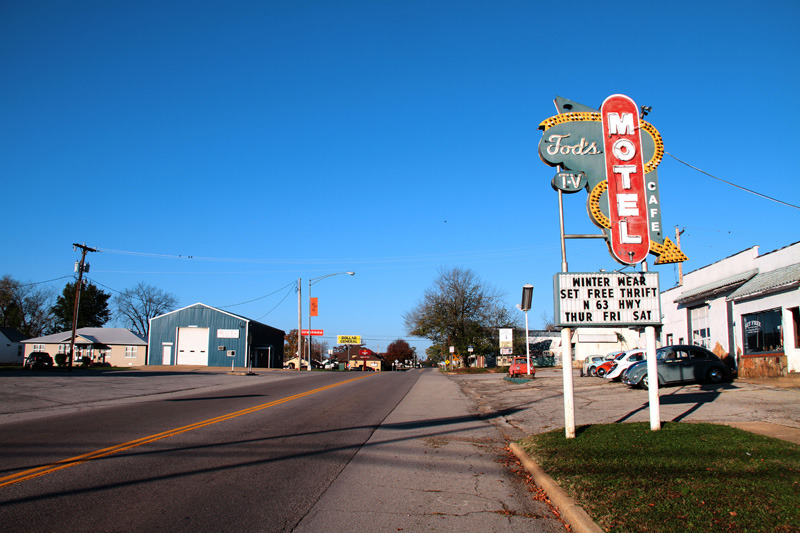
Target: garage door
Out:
[192,346]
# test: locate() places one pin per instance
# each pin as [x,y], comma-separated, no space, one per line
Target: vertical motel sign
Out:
[627,206]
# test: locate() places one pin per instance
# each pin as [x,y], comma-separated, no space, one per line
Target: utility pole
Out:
[678,244]
[82,267]
[299,325]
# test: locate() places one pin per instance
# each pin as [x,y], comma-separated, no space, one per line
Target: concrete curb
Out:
[573,514]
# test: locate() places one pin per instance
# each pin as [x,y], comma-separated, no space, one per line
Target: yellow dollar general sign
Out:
[348,339]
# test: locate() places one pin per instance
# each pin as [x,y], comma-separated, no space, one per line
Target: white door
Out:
[166,357]
[192,346]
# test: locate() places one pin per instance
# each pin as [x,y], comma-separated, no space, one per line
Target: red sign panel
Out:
[627,204]
[311,332]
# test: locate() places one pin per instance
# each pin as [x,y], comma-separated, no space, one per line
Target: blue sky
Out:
[271,141]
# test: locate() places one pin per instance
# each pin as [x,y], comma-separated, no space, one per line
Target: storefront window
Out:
[762,332]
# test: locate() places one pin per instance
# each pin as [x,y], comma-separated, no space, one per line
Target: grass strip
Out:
[685,477]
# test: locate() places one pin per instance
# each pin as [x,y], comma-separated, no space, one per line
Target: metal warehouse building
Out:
[202,335]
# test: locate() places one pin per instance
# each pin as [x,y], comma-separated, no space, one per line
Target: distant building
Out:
[203,335]
[745,307]
[11,349]
[114,346]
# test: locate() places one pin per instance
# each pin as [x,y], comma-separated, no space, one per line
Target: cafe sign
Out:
[613,154]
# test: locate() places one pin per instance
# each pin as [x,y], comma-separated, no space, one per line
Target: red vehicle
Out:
[606,367]
[519,367]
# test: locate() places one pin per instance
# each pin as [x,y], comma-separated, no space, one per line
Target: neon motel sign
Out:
[613,155]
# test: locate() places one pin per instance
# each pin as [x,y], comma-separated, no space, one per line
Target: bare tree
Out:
[138,305]
[460,310]
[25,307]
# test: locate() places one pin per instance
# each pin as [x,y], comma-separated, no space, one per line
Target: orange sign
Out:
[313,307]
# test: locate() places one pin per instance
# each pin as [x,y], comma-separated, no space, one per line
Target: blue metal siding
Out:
[165,328]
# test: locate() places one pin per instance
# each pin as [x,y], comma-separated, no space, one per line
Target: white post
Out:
[652,378]
[569,394]
[527,343]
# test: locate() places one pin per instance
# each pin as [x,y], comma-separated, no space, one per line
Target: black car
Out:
[680,364]
[38,360]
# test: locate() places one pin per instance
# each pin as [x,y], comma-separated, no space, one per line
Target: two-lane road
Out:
[250,458]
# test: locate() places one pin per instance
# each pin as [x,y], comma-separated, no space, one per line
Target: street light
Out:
[527,300]
[310,283]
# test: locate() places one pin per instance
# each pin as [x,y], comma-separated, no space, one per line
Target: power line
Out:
[293,283]
[507,252]
[288,292]
[732,184]
[47,281]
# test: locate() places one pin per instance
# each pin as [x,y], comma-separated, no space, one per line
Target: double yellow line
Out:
[105,452]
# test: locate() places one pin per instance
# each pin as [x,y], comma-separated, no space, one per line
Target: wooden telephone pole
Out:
[81,267]
[678,244]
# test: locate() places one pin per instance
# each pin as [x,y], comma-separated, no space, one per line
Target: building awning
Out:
[777,280]
[716,287]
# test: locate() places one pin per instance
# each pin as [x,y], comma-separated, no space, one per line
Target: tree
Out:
[25,308]
[93,309]
[460,310]
[136,306]
[399,350]
[319,349]
[290,345]
[549,323]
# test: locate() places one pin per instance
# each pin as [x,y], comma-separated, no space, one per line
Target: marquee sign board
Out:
[613,155]
[606,299]
[348,339]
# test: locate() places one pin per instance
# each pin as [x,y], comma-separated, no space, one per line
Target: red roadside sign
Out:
[627,202]
[312,332]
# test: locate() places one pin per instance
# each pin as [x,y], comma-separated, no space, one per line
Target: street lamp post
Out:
[310,283]
[527,300]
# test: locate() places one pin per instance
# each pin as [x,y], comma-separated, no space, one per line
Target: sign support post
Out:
[652,370]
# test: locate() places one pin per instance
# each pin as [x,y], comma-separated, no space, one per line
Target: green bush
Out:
[61,359]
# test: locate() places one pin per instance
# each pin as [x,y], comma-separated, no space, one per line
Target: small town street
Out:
[200,449]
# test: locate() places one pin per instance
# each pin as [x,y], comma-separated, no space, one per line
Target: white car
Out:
[619,366]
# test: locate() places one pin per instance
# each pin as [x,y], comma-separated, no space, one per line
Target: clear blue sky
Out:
[272,141]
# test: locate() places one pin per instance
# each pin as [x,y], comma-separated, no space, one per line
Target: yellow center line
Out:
[105,452]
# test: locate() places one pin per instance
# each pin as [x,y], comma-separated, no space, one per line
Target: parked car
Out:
[38,360]
[591,370]
[519,367]
[605,368]
[628,358]
[591,361]
[681,364]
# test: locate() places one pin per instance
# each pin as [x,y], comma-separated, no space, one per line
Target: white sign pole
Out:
[569,391]
[652,377]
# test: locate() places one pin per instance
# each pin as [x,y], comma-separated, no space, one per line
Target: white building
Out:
[11,350]
[746,306]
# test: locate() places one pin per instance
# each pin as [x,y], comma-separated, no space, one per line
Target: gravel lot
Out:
[537,406]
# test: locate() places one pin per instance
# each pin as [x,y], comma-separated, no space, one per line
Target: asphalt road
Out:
[254,456]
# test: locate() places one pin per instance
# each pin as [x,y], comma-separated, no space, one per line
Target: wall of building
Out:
[11,352]
[164,333]
[226,332]
[726,308]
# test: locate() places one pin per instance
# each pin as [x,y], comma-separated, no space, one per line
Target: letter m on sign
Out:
[629,234]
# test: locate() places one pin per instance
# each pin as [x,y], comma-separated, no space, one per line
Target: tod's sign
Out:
[613,155]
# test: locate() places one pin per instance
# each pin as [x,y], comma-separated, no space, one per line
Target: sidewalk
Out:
[431,466]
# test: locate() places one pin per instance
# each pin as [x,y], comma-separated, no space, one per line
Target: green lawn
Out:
[685,477]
